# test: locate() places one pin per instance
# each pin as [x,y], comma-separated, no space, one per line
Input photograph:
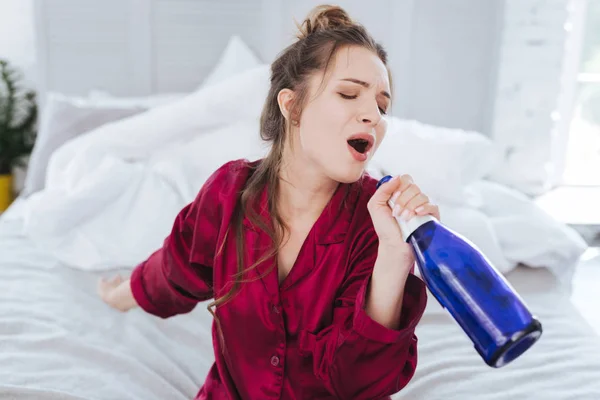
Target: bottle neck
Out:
[408,227]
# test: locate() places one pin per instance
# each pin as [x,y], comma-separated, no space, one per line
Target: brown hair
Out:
[324,31]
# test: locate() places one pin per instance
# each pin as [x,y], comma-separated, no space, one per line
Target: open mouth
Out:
[361,143]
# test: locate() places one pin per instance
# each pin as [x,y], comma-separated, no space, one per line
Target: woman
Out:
[313,290]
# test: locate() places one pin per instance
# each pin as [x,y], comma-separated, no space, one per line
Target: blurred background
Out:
[114,112]
[523,72]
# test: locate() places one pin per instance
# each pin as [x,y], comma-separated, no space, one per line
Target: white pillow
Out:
[477,228]
[374,170]
[441,160]
[138,138]
[64,118]
[102,185]
[236,58]
[100,98]
[527,234]
[184,170]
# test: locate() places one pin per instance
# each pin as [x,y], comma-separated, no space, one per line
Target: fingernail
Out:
[396,210]
[419,209]
[395,196]
[405,214]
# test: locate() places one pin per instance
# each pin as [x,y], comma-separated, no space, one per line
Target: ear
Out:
[285,99]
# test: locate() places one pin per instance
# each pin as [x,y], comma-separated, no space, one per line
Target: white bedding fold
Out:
[58,341]
[111,195]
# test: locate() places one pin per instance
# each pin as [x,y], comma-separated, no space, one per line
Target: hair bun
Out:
[324,17]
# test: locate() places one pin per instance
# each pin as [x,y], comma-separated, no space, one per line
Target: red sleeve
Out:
[174,278]
[356,357]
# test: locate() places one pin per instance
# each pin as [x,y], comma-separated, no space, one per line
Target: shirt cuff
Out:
[413,306]
[139,291]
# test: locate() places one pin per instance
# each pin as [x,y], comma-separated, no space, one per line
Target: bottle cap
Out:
[407,227]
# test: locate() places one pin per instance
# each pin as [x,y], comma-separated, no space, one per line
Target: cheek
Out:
[323,120]
[381,131]
[329,111]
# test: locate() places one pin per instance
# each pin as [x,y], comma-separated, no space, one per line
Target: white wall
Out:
[537,67]
[496,66]
[17,36]
[453,62]
[442,53]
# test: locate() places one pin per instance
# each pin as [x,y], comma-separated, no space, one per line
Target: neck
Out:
[303,191]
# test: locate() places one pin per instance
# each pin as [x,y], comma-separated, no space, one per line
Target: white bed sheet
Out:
[563,364]
[59,341]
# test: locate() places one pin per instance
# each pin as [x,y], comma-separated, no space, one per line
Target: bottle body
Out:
[477,296]
[467,285]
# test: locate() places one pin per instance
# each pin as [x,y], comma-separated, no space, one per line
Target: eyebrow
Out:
[365,84]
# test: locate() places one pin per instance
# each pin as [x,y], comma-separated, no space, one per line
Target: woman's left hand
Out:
[409,201]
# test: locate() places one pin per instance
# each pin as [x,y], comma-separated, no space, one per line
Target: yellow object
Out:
[6,191]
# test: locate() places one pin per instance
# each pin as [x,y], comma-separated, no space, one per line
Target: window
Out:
[582,167]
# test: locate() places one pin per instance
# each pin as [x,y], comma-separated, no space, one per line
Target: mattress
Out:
[59,341]
[563,364]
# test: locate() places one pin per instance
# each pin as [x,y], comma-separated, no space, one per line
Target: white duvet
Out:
[111,195]
[58,341]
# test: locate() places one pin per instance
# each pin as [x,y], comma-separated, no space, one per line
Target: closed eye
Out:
[345,96]
[350,97]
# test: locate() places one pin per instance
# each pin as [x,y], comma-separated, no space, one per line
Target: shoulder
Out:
[361,227]
[367,186]
[223,185]
[361,192]
[361,238]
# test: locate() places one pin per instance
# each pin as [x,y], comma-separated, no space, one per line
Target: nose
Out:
[370,116]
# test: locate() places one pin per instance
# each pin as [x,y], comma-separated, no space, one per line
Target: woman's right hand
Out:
[116,292]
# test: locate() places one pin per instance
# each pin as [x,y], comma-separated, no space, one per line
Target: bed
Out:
[114,150]
[59,341]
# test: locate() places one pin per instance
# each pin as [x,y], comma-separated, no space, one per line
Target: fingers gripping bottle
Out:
[476,295]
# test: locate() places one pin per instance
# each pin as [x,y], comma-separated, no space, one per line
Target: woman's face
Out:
[343,120]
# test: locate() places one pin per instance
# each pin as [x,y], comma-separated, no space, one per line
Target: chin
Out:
[348,175]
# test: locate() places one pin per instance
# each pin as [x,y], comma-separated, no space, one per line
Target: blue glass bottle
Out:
[466,284]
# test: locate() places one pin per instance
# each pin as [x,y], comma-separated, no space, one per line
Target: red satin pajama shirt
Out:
[308,338]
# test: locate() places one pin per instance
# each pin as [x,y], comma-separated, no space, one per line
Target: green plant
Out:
[18,118]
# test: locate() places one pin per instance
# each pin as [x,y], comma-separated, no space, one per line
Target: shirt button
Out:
[274,361]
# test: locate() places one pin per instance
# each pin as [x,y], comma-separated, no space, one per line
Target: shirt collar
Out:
[334,221]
